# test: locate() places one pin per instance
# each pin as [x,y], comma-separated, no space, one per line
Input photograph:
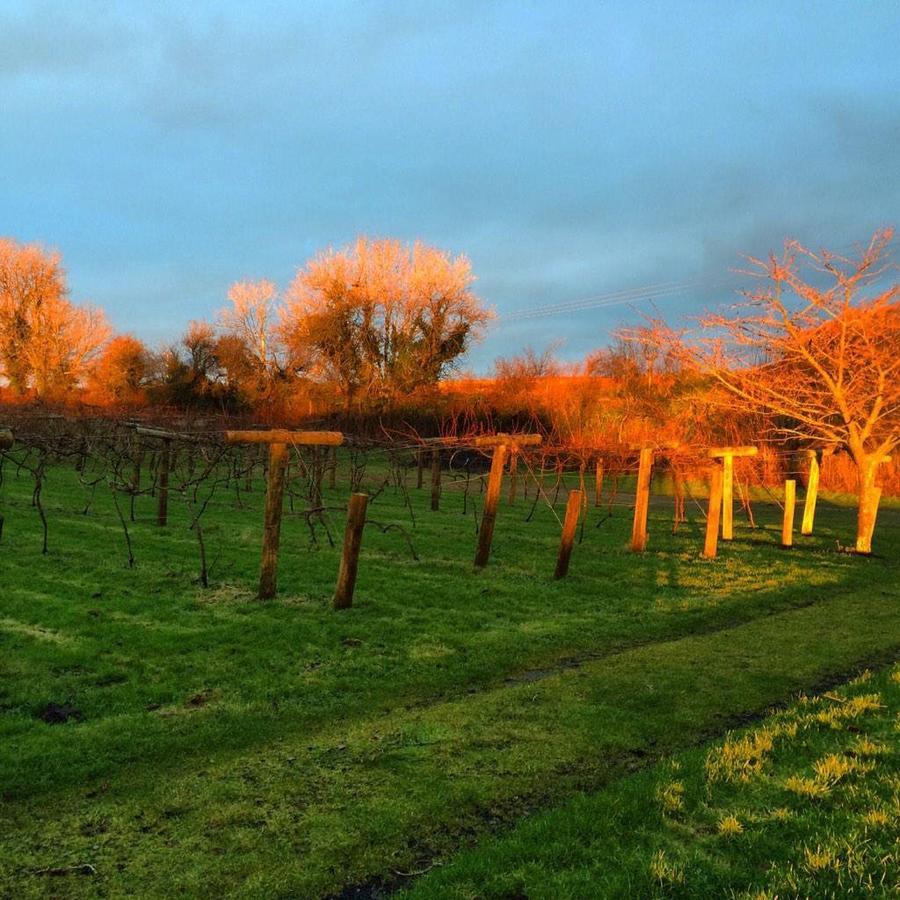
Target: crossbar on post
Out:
[278,441]
[727,455]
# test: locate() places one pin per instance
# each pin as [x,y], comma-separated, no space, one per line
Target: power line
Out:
[657,291]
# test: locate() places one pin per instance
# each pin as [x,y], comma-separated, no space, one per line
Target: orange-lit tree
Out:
[816,349]
[120,374]
[46,342]
[382,319]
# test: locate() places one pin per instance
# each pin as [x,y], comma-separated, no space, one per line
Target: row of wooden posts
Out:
[503,446]
[721,501]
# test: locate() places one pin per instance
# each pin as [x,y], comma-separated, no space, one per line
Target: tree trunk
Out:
[869,496]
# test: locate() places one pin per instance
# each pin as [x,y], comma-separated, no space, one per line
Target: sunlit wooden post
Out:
[277,439]
[598,482]
[356,519]
[642,500]
[727,455]
[165,467]
[710,546]
[501,443]
[573,510]
[812,490]
[513,476]
[787,525]
[436,479]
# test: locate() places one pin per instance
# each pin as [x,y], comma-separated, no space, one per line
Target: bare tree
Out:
[816,348]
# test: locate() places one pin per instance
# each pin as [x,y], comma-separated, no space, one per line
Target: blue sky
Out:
[570,149]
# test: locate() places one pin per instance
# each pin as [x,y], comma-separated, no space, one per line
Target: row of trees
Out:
[807,359]
[361,327]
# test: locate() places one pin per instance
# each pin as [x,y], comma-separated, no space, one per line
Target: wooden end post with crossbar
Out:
[278,440]
[162,471]
[727,455]
[502,444]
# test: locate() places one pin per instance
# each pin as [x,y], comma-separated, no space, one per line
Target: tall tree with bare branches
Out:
[816,348]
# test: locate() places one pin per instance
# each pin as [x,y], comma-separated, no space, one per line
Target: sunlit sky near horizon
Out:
[569,149]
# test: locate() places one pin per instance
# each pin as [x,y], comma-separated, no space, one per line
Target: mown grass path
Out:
[229,747]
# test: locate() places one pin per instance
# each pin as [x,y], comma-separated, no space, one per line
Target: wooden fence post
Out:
[268,568]
[162,502]
[436,479]
[502,443]
[513,476]
[728,497]
[278,439]
[812,491]
[598,483]
[787,525]
[346,582]
[727,455]
[420,467]
[642,501]
[710,546]
[573,509]
[489,514]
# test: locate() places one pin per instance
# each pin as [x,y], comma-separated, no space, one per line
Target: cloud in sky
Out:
[569,149]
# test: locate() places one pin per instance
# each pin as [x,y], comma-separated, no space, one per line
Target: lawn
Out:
[805,803]
[159,738]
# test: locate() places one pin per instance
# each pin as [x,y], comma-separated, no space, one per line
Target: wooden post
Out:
[787,525]
[436,479]
[6,438]
[812,490]
[420,467]
[513,477]
[727,455]
[162,502]
[710,546]
[489,515]
[573,509]
[501,443]
[642,501]
[277,439]
[346,582]
[268,568]
[598,482]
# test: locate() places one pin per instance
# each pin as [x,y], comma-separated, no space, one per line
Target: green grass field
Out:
[218,746]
